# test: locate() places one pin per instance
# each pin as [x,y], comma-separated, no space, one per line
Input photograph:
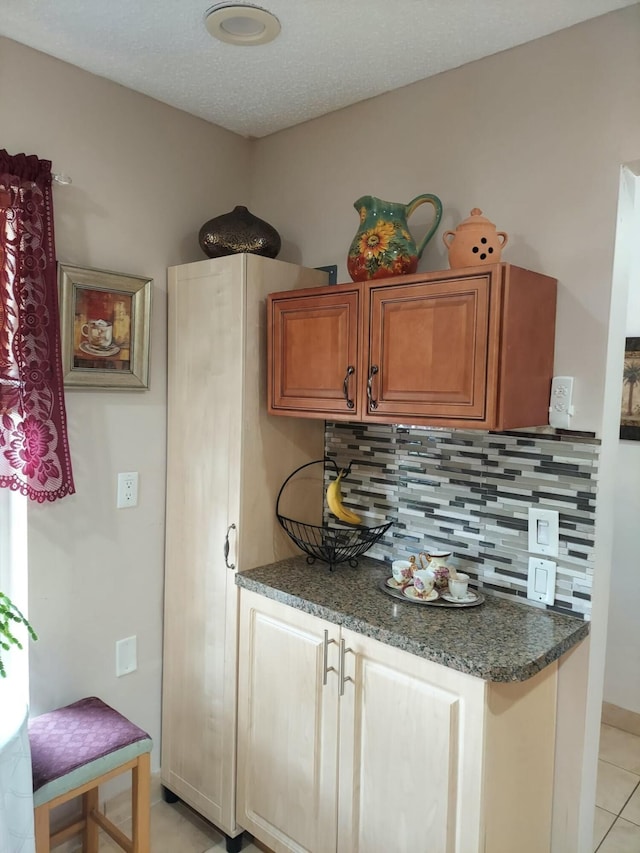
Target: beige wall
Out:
[534,136]
[145,177]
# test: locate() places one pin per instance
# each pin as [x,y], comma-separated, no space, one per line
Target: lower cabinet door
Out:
[411,752]
[287,727]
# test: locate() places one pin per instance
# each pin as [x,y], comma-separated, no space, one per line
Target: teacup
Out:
[402,571]
[459,586]
[423,582]
[99,333]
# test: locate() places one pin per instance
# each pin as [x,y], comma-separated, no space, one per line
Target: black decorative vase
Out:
[239,231]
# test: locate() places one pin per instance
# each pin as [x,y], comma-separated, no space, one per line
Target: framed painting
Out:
[630,411]
[105,318]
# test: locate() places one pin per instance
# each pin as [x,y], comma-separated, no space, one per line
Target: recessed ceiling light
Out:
[240,23]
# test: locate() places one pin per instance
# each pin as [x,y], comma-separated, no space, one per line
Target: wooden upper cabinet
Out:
[313,352]
[466,348]
[429,349]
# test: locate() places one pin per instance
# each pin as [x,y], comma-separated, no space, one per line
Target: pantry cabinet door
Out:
[411,748]
[287,727]
[205,322]
[313,353]
[432,351]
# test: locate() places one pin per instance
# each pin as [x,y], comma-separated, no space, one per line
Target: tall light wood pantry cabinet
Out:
[226,460]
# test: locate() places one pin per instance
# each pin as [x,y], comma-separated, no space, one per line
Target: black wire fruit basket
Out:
[332,545]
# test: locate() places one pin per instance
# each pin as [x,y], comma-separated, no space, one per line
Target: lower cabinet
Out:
[347,744]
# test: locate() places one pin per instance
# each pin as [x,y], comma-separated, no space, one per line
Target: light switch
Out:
[541,583]
[543,531]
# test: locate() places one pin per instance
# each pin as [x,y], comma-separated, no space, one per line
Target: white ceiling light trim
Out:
[240,23]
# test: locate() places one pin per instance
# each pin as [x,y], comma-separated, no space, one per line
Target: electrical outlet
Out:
[126,656]
[127,490]
[560,408]
[541,583]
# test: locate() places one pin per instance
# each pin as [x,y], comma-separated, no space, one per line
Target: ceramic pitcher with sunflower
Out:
[383,245]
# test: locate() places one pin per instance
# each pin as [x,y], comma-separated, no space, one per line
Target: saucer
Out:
[394,584]
[91,350]
[411,593]
[469,597]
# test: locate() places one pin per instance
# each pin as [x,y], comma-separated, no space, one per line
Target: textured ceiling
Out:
[330,53]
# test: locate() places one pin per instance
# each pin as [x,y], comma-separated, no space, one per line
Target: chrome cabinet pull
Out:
[345,388]
[226,547]
[342,678]
[373,404]
[326,669]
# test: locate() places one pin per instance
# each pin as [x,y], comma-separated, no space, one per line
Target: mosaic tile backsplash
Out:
[468,492]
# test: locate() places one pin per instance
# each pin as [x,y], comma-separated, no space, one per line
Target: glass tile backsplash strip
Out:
[469,492]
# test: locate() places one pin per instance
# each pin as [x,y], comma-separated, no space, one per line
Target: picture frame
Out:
[630,403]
[105,321]
[332,271]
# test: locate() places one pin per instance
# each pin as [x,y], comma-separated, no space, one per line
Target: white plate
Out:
[411,593]
[394,584]
[103,353]
[469,597]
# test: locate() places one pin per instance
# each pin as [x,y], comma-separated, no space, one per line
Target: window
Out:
[14,583]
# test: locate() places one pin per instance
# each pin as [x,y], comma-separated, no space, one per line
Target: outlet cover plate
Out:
[560,404]
[127,490]
[541,583]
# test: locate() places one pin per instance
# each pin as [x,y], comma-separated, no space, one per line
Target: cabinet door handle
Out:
[342,678]
[226,547]
[345,387]
[373,404]
[326,669]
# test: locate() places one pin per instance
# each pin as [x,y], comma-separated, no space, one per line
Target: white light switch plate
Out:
[126,656]
[543,531]
[541,583]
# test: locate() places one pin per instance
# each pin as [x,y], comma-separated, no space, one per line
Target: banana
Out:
[334,499]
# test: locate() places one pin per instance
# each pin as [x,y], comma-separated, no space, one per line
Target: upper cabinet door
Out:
[313,353]
[430,351]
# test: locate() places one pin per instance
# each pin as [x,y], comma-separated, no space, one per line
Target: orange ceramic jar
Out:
[475,241]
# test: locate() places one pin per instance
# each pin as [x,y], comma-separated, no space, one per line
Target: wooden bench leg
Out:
[141,805]
[41,828]
[91,830]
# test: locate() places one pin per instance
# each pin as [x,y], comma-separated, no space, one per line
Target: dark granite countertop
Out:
[498,640]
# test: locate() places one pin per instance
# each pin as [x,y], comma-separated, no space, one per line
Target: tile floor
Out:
[617,817]
[177,829]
